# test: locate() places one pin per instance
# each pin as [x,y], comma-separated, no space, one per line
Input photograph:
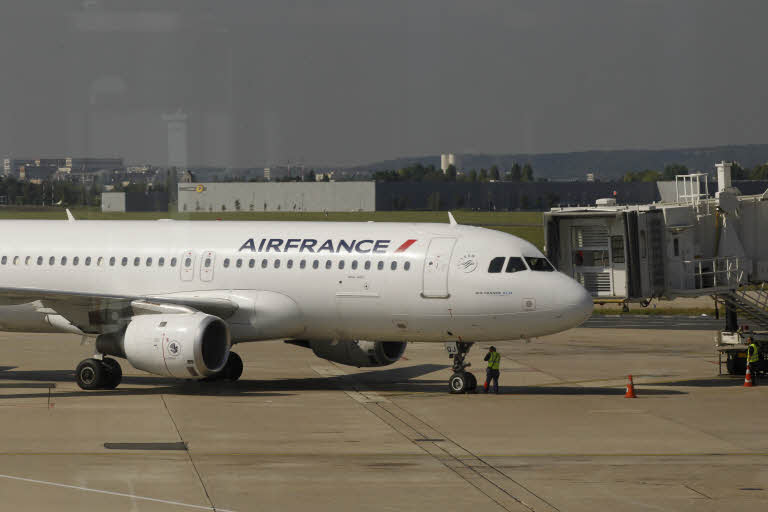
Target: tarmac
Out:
[301,433]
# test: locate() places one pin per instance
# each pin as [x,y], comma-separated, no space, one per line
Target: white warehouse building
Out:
[348,196]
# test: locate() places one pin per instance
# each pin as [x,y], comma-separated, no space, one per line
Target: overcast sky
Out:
[332,82]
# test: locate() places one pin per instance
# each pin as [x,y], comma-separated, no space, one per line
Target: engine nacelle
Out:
[187,345]
[359,352]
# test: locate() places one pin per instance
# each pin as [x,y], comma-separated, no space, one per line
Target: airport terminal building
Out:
[348,196]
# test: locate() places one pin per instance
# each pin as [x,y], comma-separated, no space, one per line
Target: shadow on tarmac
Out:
[385,380]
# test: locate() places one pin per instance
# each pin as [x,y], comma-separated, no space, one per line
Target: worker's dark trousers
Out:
[492,375]
[755,369]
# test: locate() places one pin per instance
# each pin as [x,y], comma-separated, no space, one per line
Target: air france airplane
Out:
[173,297]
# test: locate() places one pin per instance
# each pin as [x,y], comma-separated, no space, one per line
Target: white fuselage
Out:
[309,280]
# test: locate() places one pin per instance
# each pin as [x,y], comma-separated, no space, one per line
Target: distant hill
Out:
[608,164]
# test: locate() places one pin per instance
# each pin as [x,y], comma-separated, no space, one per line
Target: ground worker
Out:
[492,372]
[753,359]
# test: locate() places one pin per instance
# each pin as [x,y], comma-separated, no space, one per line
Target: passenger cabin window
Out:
[277,263]
[354,264]
[173,262]
[239,263]
[5,260]
[207,263]
[124,261]
[303,264]
[407,266]
[27,260]
[539,264]
[15,260]
[341,264]
[76,260]
[226,262]
[515,264]
[88,260]
[149,262]
[496,265]
[264,263]
[136,262]
[289,263]
[380,265]
[328,264]
[161,262]
[52,261]
[39,260]
[63,260]
[315,264]
[99,262]
[188,262]
[367,265]
[251,263]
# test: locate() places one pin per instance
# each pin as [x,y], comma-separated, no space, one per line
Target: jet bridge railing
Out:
[706,275]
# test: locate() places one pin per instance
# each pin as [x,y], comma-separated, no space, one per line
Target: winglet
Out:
[451,219]
[70,217]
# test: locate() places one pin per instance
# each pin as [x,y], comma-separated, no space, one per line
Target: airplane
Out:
[173,297]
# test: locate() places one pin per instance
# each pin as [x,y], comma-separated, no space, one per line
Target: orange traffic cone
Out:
[630,389]
[748,378]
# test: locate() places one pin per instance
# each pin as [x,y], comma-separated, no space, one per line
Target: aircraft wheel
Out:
[458,383]
[114,374]
[233,369]
[90,374]
[471,382]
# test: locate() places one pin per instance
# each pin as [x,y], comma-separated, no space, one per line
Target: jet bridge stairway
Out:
[749,303]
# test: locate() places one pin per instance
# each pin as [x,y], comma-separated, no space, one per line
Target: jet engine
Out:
[357,352]
[187,345]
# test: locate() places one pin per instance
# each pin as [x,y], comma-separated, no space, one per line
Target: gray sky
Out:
[353,81]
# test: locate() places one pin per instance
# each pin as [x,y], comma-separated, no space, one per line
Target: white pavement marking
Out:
[111,493]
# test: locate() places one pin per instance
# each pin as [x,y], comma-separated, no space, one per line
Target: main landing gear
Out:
[232,370]
[461,381]
[95,373]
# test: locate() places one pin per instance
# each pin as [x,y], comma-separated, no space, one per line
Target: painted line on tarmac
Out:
[112,493]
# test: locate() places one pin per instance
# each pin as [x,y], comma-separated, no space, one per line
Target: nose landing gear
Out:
[461,381]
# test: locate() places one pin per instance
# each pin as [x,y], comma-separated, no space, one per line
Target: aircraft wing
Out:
[95,313]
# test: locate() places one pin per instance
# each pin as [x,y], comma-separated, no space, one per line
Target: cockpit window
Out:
[496,265]
[539,264]
[515,264]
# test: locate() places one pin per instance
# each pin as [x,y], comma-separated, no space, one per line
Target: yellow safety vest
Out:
[494,360]
[753,357]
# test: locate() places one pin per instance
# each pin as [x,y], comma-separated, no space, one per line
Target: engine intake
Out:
[193,345]
[360,353]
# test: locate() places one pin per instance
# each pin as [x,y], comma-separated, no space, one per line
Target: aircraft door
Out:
[436,265]
[187,265]
[207,264]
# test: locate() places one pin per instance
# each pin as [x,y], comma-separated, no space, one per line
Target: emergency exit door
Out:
[187,265]
[436,266]
[207,264]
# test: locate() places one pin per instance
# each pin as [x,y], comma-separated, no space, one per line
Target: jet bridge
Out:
[696,245]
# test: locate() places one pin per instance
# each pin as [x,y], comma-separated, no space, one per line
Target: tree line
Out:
[429,173]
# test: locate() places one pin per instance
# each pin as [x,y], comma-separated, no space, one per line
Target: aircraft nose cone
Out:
[575,302]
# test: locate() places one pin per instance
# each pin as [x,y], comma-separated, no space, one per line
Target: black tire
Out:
[471,382]
[114,374]
[458,383]
[233,369]
[90,374]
